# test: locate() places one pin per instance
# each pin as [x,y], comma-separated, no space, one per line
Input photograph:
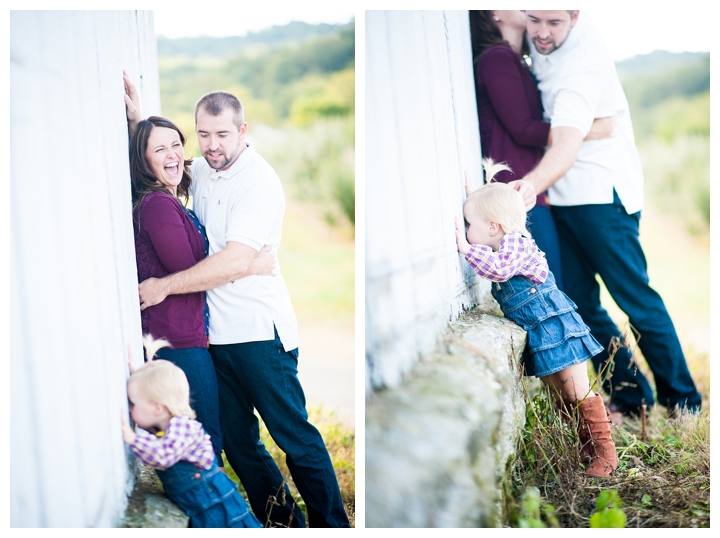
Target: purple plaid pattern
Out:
[517,255]
[184,440]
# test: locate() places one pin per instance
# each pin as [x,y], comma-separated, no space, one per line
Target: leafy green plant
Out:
[608,511]
[534,514]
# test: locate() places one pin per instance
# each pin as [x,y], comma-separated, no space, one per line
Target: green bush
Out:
[677,178]
[317,164]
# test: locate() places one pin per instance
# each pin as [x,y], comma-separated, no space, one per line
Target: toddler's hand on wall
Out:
[468,188]
[128,433]
[462,245]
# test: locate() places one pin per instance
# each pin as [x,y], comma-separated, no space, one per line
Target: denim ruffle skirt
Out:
[209,497]
[557,337]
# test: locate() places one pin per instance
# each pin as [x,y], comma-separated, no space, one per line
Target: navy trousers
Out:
[262,376]
[198,367]
[542,227]
[603,240]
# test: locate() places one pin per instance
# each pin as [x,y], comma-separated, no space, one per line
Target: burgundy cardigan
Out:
[166,241]
[509,113]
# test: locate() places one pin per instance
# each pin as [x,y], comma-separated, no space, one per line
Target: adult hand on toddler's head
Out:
[527,190]
[462,244]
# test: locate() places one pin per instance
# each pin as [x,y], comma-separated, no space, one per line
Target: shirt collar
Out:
[559,54]
[245,157]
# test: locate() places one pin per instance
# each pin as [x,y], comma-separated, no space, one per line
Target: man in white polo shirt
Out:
[253,331]
[596,194]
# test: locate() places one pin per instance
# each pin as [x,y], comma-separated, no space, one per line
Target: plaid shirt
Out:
[517,255]
[184,440]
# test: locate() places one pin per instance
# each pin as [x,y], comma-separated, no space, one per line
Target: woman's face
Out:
[165,156]
[513,18]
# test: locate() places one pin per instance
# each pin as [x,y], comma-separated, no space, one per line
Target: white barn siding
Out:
[421,133]
[74,303]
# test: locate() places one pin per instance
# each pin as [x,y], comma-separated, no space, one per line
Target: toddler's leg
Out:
[573,386]
[572,383]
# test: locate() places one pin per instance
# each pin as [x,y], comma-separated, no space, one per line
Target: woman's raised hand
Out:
[132,104]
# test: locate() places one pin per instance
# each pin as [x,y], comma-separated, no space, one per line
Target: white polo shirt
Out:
[244,203]
[578,82]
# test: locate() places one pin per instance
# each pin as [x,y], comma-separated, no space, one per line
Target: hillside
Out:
[222,47]
[669,97]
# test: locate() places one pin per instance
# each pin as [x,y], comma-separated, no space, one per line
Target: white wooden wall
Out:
[74,305]
[421,133]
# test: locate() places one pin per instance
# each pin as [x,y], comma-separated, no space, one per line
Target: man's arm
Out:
[554,164]
[233,262]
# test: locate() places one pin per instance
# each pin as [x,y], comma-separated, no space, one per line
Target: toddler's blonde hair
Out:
[163,382]
[498,202]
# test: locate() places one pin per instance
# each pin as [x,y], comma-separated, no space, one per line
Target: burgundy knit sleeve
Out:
[161,217]
[499,69]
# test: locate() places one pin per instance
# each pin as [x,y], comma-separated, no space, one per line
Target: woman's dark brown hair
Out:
[485,33]
[142,179]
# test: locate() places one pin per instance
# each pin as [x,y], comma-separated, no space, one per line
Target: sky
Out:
[629,27]
[635,29]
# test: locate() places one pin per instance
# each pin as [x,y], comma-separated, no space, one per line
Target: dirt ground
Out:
[326,368]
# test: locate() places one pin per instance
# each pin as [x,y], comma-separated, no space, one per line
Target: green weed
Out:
[608,511]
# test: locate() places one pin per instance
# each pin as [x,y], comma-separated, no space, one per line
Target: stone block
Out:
[437,446]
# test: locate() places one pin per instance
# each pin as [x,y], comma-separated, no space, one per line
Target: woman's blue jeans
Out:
[542,227]
[603,240]
[262,376]
[200,372]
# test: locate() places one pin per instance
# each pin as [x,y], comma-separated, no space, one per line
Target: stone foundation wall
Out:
[437,447]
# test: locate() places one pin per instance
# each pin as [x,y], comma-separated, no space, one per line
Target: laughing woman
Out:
[169,238]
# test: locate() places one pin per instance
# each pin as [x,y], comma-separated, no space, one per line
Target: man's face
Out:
[549,29]
[220,141]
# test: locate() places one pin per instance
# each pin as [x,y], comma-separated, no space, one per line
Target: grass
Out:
[318,265]
[340,443]
[663,478]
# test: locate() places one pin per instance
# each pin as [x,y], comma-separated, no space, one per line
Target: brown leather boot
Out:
[597,443]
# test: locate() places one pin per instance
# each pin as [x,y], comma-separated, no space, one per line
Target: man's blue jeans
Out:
[603,240]
[263,376]
[200,372]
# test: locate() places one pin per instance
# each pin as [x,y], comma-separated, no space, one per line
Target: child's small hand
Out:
[131,366]
[462,244]
[468,189]
[128,433]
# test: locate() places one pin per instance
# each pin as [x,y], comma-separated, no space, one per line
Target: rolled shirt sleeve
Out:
[577,102]
[253,216]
